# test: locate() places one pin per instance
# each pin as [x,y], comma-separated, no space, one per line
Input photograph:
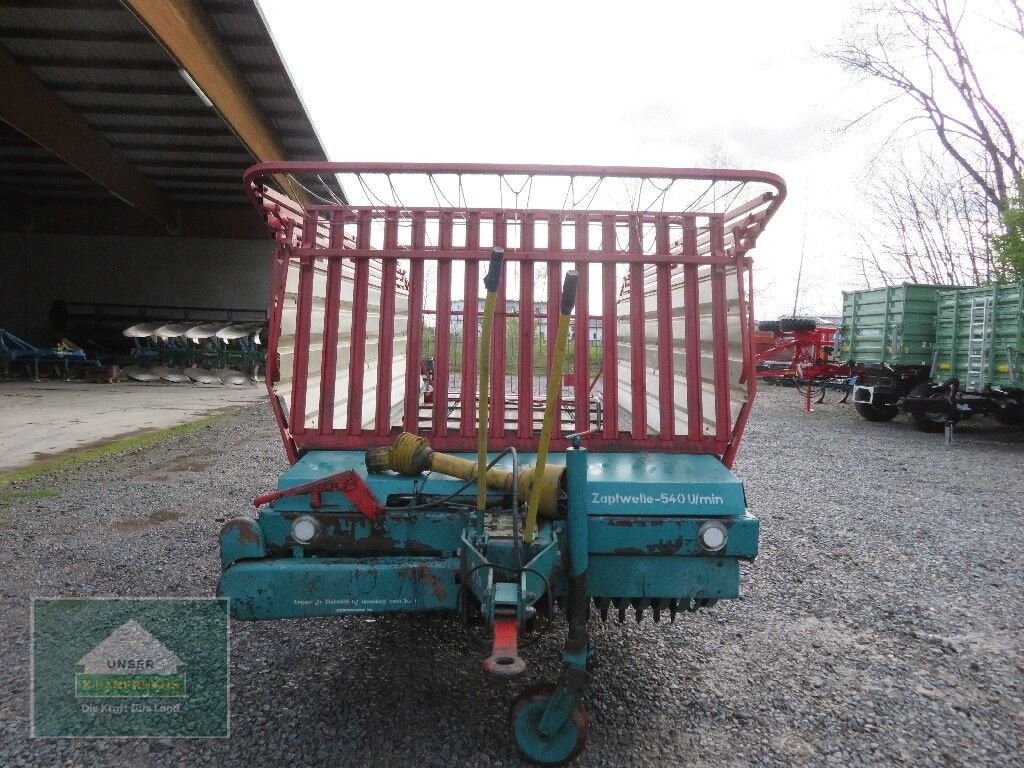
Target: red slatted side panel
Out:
[470,313]
[524,420]
[554,278]
[496,418]
[720,332]
[332,305]
[691,318]
[581,380]
[666,395]
[637,342]
[442,333]
[360,300]
[415,355]
[304,311]
[609,333]
[386,343]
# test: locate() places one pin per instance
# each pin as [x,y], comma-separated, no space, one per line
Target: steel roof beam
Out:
[44,60]
[190,37]
[109,36]
[119,110]
[130,89]
[30,108]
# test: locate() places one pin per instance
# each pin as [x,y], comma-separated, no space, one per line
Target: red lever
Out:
[348,483]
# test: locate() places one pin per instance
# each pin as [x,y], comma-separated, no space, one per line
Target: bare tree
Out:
[930,223]
[916,48]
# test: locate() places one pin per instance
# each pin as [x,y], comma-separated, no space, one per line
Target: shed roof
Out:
[113,80]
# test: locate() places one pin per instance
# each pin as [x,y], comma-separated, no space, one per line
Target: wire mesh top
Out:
[521,188]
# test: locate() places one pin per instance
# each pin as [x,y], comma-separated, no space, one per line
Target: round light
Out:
[305,529]
[712,536]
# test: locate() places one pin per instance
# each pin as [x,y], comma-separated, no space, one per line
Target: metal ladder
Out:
[979,339]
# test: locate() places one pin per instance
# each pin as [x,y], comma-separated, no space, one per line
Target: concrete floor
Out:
[46,420]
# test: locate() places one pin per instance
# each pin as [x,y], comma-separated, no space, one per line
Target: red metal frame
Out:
[810,361]
[690,246]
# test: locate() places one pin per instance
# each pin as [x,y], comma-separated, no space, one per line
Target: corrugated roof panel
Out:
[137,79]
[94,15]
[180,121]
[138,104]
[104,63]
[146,156]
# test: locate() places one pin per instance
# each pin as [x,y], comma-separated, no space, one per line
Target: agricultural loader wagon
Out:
[483,503]
[978,360]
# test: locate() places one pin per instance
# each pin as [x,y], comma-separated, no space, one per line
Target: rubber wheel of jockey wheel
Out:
[924,421]
[524,717]
[789,324]
[768,325]
[876,412]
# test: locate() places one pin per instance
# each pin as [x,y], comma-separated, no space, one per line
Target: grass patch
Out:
[39,493]
[107,449]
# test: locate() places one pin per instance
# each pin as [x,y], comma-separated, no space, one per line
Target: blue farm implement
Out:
[482,501]
[16,351]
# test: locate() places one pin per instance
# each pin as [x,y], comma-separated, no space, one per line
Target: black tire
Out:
[924,421]
[876,412]
[768,325]
[788,324]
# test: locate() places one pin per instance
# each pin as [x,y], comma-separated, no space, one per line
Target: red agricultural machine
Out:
[799,350]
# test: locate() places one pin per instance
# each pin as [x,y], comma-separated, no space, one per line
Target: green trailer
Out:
[892,326]
[887,339]
[978,360]
[979,337]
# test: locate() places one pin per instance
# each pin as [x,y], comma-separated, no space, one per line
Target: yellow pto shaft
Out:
[412,455]
[551,406]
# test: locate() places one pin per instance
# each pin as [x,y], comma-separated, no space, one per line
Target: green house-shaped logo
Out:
[130,663]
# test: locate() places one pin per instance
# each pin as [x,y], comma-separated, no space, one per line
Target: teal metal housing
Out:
[644,513]
[980,337]
[893,326]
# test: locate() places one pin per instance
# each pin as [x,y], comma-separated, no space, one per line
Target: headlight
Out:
[712,536]
[305,529]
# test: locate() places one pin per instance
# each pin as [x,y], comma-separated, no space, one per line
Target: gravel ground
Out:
[881,625]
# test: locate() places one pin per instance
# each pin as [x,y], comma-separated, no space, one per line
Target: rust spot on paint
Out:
[423,573]
[247,532]
[658,548]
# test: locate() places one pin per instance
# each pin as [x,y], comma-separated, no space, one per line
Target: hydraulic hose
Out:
[551,406]
[491,281]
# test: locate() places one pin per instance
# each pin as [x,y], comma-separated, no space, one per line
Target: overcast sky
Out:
[631,83]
